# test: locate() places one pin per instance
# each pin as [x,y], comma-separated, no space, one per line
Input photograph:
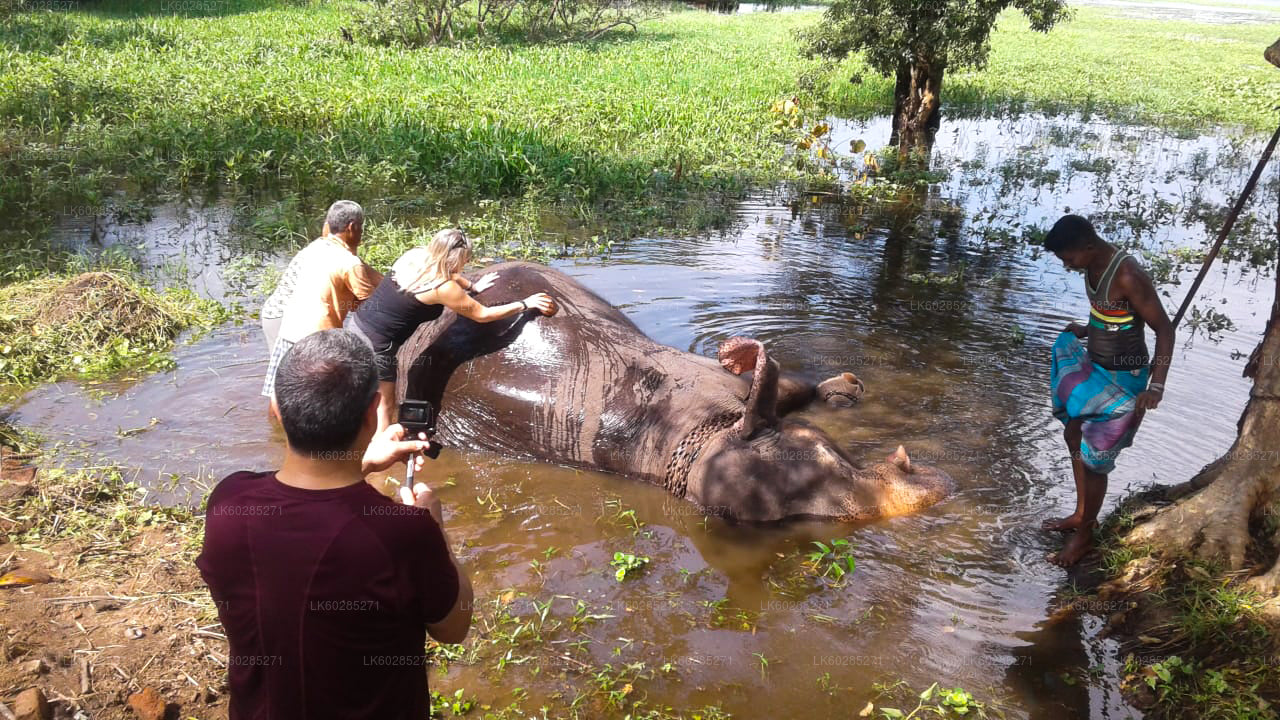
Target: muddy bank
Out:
[101,600]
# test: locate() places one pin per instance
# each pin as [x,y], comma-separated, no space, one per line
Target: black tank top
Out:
[1117,340]
[392,314]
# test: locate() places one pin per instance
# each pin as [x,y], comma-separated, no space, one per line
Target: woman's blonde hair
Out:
[421,268]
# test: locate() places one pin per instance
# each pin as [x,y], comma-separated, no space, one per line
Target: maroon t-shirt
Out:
[325,596]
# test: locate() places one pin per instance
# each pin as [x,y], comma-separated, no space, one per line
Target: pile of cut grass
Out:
[91,324]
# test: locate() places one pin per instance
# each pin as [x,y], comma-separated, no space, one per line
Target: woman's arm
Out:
[453,296]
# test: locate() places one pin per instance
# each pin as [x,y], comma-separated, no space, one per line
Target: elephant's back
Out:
[583,387]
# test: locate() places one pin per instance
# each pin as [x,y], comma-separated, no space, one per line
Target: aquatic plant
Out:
[627,563]
[835,560]
[933,701]
[452,705]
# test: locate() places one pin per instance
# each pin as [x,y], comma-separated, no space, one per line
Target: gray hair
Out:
[324,385]
[343,214]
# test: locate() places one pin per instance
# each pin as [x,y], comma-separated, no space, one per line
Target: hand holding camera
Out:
[418,418]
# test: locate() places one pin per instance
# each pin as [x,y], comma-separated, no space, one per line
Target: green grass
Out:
[1202,645]
[268,95]
[1152,70]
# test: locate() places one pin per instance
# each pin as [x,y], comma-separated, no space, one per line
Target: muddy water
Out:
[956,371]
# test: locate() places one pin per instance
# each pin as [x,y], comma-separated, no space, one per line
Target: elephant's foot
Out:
[843,390]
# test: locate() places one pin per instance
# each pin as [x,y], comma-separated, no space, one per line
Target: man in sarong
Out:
[1101,393]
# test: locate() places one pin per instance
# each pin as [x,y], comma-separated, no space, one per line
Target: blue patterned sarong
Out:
[1104,399]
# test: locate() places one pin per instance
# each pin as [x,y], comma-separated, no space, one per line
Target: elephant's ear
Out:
[738,355]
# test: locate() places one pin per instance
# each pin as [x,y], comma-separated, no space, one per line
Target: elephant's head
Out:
[763,469]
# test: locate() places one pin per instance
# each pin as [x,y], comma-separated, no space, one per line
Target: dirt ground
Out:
[114,618]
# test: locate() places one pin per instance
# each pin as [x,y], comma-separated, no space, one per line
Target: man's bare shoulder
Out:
[1132,277]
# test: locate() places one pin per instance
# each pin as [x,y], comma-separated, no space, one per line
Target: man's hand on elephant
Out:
[421,496]
[390,447]
[1078,329]
[485,282]
[541,302]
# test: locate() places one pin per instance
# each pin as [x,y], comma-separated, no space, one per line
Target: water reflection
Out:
[947,321]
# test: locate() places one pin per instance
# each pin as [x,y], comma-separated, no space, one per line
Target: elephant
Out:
[586,388]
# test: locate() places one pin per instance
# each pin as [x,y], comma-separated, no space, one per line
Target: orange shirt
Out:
[331,282]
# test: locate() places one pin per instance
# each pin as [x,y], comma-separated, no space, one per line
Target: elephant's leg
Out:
[796,392]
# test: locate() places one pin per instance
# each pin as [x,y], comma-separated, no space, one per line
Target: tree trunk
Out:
[1211,521]
[901,89]
[917,96]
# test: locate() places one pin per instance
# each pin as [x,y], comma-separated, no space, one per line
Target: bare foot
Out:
[1068,523]
[1078,545]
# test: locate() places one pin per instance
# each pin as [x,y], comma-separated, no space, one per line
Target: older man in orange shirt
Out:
[324,281]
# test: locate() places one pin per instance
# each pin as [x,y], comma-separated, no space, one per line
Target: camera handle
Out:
[408,474]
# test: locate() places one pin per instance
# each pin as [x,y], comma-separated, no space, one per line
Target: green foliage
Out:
[627,563]
[94,502]
[640,128]
[833,561]
[420,23]
[1107,61]
[450,705]
[932,701]
[1185,688]
[1213,323]
[893,34]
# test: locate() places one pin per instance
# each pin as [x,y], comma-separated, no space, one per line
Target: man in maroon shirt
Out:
[325,587]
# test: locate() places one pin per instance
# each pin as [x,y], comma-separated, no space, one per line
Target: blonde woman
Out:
[421,284]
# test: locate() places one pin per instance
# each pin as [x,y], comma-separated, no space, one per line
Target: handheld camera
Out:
[419,416]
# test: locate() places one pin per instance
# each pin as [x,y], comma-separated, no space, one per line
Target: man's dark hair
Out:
[343,214]
[323,387]
[1070,232]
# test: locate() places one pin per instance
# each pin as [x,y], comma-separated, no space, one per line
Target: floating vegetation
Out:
[627,563]
[833,561]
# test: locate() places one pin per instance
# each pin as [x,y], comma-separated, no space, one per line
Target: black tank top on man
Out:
[1116,337]
[391,314]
